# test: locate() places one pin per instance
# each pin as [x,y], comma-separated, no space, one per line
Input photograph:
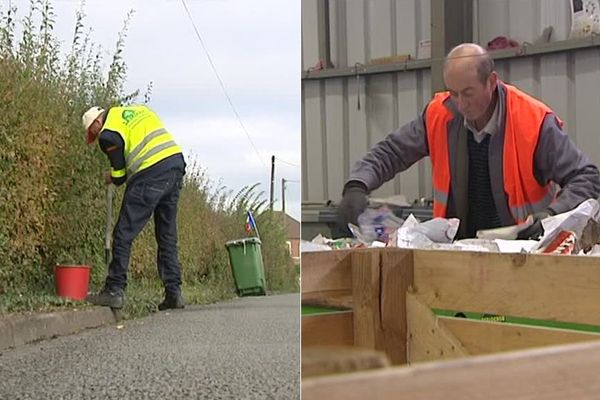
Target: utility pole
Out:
[283,182]
[283,199]
[272,182]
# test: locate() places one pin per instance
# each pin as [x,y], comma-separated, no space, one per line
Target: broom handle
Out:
[108,232]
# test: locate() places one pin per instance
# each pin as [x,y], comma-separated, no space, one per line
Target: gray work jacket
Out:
[556,159]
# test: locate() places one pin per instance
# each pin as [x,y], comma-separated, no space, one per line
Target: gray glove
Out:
[353,203]
[536,230]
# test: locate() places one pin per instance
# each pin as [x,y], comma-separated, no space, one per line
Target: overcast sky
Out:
[255,46]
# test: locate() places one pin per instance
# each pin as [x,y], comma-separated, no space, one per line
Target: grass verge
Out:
[142,299]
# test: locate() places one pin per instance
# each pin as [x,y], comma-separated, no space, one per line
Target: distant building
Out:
[292,233]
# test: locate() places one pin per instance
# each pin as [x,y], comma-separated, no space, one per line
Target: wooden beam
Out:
[428,339]
[322,360]
[331,298]
[558,372]
[396,278]
[366,279]
[485,337]
[451,24]
[562,288]
[326,275]
[328,329]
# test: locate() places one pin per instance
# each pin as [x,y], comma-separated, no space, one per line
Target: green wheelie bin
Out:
[246,261]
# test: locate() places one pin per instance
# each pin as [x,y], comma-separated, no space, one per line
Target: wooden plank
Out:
[326,274]
[396,277]
[562,288]
[366,276]
[328,329]
[554,373]
[428,339]
[484,337]
[397,59]
[331,298]
[322,360]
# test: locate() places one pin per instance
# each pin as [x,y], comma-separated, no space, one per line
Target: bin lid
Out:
[242,242]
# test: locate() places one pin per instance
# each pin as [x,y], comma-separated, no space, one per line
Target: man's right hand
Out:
[535,230]
[354,202]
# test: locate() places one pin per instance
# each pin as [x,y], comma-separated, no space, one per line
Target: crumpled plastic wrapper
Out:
[426,235]
[505,232]
[572,231]
[485,245]
[321,243]
[439,230]
[376,225]
[306,246]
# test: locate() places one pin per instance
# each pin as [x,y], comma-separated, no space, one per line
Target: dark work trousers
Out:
[158,195]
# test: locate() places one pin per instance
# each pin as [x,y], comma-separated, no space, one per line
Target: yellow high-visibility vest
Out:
[146,139]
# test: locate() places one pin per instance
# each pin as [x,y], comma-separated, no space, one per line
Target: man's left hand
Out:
[535,230]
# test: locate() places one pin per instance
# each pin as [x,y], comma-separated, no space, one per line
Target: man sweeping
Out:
[144,155]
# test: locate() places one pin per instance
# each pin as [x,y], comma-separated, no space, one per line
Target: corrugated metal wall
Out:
[336,131]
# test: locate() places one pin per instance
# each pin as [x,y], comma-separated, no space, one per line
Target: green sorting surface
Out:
[522,321]
[314,310]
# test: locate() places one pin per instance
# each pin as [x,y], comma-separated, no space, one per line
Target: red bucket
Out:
[72,281]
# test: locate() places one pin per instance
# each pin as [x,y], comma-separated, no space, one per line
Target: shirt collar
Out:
[491,127]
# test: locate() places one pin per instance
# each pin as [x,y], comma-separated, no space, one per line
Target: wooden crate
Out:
[391,293]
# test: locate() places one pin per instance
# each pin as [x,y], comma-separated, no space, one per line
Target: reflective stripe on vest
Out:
[440,197]
[135,166]
[521,212]
[146,140]
[525,195]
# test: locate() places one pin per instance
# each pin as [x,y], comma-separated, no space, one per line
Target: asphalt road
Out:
[248,348]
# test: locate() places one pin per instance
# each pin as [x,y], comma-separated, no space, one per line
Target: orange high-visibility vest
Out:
[524,118]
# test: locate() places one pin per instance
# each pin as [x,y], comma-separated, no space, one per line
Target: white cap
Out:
[90,116]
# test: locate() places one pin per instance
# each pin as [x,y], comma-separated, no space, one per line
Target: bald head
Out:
[469,57]
[471,80]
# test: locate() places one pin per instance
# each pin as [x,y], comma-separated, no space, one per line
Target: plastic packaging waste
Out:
[378,224]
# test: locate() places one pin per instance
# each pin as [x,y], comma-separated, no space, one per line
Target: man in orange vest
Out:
[498,155]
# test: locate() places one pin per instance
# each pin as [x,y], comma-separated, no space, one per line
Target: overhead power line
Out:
[237,115]
[287,162]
